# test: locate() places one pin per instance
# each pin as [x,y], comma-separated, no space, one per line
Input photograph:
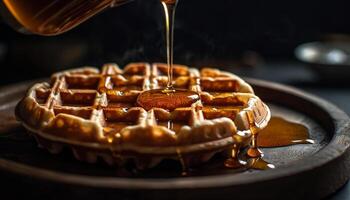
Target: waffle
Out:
[95,114]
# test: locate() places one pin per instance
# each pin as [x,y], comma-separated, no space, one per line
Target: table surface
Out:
[303,77]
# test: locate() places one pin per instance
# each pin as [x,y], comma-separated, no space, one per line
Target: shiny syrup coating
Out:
[166,100]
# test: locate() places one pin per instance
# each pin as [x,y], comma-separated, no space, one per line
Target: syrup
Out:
[281,132]
[182,162]
[166,100]
[168,97]
[278,133]
[259,163]
[234,162]
[254,151]
[169,7]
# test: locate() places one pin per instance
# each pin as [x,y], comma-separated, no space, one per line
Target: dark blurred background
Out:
[219,32]
[253,38]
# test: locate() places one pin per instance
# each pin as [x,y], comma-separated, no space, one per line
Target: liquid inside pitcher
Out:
[52,17]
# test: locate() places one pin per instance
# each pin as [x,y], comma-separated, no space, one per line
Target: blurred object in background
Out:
[329,58]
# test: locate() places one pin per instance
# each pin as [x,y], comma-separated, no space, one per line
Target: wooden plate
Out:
[302,171]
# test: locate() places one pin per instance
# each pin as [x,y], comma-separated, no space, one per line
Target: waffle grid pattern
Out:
[87,105]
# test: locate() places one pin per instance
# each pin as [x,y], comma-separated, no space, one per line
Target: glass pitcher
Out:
[52,17]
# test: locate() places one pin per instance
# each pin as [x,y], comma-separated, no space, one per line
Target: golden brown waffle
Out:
[96,115]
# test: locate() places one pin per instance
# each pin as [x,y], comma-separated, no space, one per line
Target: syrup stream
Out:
[169,7]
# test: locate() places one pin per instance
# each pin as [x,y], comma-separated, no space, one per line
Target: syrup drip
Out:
[114,138]
[234,162]
[254,151]
[278,133]
[182,161]
[259,163]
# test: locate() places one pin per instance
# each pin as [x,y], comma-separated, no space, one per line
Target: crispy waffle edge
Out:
[87,139]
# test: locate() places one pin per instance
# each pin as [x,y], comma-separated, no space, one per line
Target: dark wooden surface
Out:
[303,171]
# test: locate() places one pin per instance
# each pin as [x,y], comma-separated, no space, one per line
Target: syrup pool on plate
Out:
[278,133]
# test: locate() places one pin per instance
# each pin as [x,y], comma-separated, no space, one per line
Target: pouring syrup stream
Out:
[169,7]
[168,98]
